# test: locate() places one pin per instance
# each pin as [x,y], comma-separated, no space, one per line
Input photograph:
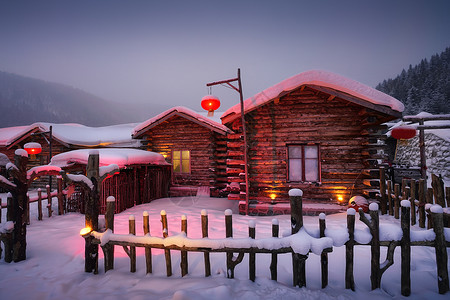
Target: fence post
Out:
[132,230]
[396,200]
[383,200]
[61,206]
[422,216]
[204,214]
[349,250]
[252,255]
[274,261]
[447,195]
[413,202]
[438,190]
[166,251]
[28,210]
[108,250]
[184,254]
[389,196]
[148,250]
[324,254]
[405,249]
[39,204]
[441,249]
[49,201]
[9,217]
[298,260]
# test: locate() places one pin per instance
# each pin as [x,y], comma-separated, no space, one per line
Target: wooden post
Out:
[383,200]
[413,202]
[27,213]
[274,261]
[91,213]
[389,196]
[252,255]
[60,195]
[9,217]
[441,249]
[166,251]
[405,249]
[184,254]
[132,230]
[39,204]
[447,195]
[204,214]
[397,200]
[422,216]
[374,226]
[438,190]
[324,254]
[49,201]
[229,234]
[108,249]
[349,250]
[298,260]
[430,201]
[423,163]
[429,196]
[148,250]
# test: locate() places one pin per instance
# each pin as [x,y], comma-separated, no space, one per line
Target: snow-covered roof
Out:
[317,78]
[119,156]
[182,112]
[76,134]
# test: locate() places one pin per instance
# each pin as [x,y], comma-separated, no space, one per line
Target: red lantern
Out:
[403,132]
[33,148]
[210,103]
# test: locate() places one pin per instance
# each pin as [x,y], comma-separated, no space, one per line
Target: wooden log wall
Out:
[348,136]
[207,149]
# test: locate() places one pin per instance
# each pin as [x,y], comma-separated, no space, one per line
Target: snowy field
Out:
[54,268]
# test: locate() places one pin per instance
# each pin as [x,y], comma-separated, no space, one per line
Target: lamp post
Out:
[241,98]
[49,142]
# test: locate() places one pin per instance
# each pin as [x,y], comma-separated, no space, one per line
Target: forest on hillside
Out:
[424,87]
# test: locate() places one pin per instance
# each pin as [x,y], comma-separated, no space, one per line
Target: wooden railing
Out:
[420,197]
[299,244]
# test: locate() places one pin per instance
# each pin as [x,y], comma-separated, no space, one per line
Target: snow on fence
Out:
[420,197]
[299,244]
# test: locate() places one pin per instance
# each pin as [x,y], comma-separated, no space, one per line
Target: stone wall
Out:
[437,152]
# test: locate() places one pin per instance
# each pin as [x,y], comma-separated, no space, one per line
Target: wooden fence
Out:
[59,194]
[420,197]
[299,245]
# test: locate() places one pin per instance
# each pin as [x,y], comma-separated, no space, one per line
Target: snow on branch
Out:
[77,179]
[6,184]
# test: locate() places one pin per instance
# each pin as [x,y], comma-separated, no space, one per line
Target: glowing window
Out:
[181,160]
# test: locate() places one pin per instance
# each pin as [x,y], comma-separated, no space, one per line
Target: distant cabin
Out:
[316,131]
[195,145]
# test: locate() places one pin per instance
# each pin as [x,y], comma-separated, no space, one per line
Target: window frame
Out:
[181,161]
[303,162]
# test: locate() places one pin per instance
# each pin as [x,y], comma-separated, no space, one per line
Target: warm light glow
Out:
[210,103]
[85,231]
[32,148]
[273,196]
[340,198]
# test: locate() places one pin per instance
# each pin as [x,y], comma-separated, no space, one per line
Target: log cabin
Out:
[195,145]
[64,137]
[316,131]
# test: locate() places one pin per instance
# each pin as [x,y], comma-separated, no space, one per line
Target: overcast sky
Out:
[166,51]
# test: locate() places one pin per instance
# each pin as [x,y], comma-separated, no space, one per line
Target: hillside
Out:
[424,87]
[25,100]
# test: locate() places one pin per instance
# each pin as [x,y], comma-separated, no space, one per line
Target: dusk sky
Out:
[166,51]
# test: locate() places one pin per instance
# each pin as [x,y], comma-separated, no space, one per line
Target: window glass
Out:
[295,169]
[181,161]
[305,168]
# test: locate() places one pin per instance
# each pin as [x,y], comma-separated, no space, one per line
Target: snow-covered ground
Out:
[54,268]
